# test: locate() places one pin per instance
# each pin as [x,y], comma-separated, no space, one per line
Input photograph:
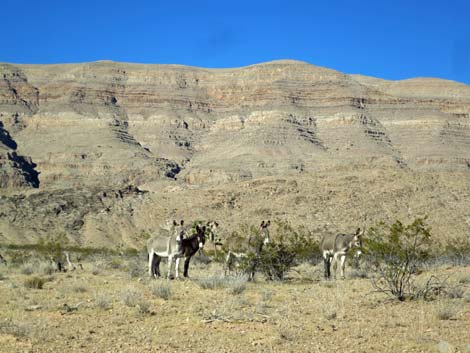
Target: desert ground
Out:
[111,305]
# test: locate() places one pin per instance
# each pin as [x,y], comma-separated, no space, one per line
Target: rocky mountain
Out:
[283,139]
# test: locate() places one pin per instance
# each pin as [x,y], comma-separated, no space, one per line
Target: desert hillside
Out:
[105,152]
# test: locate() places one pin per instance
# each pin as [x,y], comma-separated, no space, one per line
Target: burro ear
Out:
[174,223]
[358,231]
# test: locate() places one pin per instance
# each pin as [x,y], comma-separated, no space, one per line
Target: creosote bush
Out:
[397,253]
[288,247]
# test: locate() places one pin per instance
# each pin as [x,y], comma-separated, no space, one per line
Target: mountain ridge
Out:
[107,125]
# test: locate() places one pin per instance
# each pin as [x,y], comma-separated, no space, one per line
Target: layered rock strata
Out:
[106,125]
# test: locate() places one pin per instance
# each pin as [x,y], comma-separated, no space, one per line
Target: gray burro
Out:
[335,247]
[106,152]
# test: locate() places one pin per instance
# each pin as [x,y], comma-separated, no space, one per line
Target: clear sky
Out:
[389,39]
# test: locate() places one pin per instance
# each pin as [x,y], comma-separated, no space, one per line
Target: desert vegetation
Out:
[407,292]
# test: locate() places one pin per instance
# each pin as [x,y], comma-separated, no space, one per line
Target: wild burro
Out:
[173,244]
[254,247]
[162,245]
[336,247]
[188,247]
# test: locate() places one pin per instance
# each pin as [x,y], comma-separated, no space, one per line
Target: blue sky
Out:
[389,39]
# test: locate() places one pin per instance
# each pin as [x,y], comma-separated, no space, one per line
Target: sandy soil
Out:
[111,306]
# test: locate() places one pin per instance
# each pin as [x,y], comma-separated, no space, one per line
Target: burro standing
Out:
[336,247]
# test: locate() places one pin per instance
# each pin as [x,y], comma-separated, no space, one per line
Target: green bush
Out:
[397,253]
[276,260]
[288,247]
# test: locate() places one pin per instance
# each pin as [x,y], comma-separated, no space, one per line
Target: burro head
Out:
[357,241]
[201,235]
[265,232]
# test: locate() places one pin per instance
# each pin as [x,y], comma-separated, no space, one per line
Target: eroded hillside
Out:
[283,139]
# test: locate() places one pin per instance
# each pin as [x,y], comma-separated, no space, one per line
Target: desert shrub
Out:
[116,263]
[135,269]
[216,256]
[274,261]
[213,282]
[47,268]
[446,311]
[97,266]
[17,257]
[130,296]
[95,270]
[9,327]
[457,251]
[102,301]
[436,288]
[464,279]
[357,273]
[330,314]
[455,292]
[288,247]
[52,247]
[397,252]
[161,290]
[237,285]
[300,241]
[143,306]
[79,288]
[34,282]
[27,269]
[266,295]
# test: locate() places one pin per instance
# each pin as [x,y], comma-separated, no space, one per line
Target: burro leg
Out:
[177,266]
[343,264]
[151,263]
[170,261]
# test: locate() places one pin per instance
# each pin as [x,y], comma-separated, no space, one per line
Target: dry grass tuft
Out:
[27,269]
[446,311]
[130,296]
[235,284]
[102,301]
[19,330]
[212,282]
[161,290]
[34,282]
[47,268]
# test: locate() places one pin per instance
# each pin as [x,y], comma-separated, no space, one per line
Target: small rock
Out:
[33,307]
